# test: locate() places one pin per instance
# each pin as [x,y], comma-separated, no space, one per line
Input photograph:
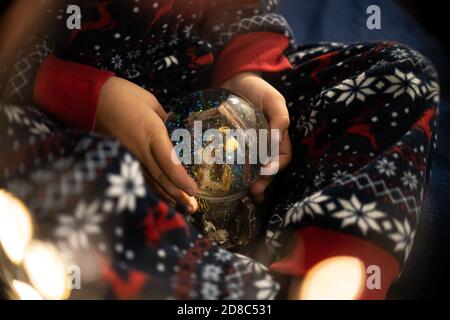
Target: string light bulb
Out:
[16,227]
[337,278]
[47,270]
[25,291]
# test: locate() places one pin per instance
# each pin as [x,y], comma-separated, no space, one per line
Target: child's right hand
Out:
[134,116]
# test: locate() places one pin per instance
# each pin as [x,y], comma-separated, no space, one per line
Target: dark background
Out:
[3,5]
[431,14]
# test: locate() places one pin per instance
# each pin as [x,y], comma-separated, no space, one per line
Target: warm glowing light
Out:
[25,291]
[337,278]
[16,228]
[47,271]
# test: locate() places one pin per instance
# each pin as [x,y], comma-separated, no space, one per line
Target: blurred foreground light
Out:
[47,271]
[25,291]
[337,278]
[16,227]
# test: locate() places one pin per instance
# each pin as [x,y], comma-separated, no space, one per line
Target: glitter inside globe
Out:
[237,136]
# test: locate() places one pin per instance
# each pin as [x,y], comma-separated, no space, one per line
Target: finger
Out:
[160,191]
[274,107]
[277,164]
[160,111]
[285,156]
[163,194]
[170,191]
[259,197]
[162,150]
[258,188]
[189,203]
[157,107]
[279,161]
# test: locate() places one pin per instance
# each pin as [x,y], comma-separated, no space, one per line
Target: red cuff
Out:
[256,51]
[69,91]
[313,245]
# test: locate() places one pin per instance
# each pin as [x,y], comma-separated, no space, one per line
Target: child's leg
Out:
[88,198]
[363,121]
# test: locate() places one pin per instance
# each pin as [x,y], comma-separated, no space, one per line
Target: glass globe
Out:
[223,142]
[225,134]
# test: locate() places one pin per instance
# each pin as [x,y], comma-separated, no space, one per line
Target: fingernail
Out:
[190,209]
[190,191]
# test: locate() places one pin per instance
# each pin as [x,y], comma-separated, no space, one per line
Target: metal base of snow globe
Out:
[230,221]
[220,125]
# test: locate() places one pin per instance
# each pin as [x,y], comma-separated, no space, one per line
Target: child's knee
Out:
[404,70]
[407,58]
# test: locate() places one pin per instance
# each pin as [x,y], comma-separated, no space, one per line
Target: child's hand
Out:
[252,87]
[134,116]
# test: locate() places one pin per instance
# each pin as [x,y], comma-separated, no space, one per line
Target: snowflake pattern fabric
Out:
[363,128]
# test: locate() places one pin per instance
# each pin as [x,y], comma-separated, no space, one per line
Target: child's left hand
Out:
[253,87]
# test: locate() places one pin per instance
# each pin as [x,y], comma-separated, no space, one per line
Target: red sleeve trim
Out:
[313,245]
[256,51]
[69,91]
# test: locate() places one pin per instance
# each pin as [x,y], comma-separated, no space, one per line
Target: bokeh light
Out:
[16,227]
[337,278]
[47,270]
[25,291]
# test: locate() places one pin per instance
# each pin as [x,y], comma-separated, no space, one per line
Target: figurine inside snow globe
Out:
[218,136]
